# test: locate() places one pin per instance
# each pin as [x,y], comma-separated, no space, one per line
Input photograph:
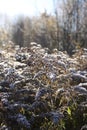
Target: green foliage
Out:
[69,111]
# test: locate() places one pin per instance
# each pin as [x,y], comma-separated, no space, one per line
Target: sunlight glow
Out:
[26,7]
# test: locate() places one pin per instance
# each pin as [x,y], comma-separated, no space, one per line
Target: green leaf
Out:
[69,111]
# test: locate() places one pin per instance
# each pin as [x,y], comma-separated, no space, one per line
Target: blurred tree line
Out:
[65,30]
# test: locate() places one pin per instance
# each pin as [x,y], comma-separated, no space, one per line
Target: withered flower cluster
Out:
[41,90]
